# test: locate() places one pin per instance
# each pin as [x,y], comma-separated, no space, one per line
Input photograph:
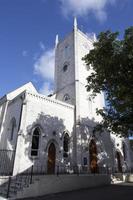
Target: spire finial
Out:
[75,23]
[56,40]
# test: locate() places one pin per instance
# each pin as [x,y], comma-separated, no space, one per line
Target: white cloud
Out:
[24,53]
[44,66]
[84,7]
[42,46]
[46,88]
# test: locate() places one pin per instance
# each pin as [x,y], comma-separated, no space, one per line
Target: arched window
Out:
[66,97]
[35,142]
[124,150]
[13,125]
[66,145]
[65,66]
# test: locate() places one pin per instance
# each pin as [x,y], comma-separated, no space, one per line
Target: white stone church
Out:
[56,132]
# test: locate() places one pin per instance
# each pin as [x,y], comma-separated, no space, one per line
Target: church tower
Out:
[71,73]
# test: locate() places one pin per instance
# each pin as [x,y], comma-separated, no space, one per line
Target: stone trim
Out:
[41,97]
[84,35]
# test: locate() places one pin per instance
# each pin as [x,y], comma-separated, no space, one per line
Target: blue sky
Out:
[28,29]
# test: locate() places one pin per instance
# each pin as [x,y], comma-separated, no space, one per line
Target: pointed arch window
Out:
[13,125]
[124,150]
[66,145]
[66,97]
[35,142]
[65,66]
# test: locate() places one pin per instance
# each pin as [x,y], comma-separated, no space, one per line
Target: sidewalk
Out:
[122,191]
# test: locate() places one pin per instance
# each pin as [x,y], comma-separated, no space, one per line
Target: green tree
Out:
[112,64]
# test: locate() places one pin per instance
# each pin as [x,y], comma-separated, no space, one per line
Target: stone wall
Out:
[55,184]
[13,111]
[53,118]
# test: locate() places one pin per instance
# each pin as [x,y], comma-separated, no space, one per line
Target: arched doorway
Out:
[118,157]
[124,150]
[93,157]
[51,159]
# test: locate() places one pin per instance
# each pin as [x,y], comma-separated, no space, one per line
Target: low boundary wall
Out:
[49,184]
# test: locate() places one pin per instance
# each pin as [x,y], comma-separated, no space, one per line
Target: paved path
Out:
[113,192]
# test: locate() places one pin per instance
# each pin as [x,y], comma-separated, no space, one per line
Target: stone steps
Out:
[17,183]
[123,178]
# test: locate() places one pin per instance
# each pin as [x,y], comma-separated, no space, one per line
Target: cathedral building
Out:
[55,132]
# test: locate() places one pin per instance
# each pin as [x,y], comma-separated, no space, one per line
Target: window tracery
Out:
[35,142]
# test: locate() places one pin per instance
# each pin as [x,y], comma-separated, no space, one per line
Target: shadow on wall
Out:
[2,127]
[94,149]
[50,130]
[7,151]
[106,148]
[100,153]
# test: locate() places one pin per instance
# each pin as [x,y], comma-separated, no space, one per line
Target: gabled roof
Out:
[27,87]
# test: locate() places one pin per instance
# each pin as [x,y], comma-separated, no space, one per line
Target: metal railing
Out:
[12,184]
[80,169]
[6,162]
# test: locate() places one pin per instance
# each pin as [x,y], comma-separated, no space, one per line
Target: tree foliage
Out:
[112,64]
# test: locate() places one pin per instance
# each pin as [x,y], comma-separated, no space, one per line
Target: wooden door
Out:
[51,159]
[93,157]
[118,157]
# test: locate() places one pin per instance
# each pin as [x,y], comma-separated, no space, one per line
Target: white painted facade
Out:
[71,112]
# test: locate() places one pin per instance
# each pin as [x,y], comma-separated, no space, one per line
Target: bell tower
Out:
[70,81]
[65,69]
[71,72]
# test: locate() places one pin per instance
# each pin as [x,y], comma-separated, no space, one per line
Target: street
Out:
[123,191]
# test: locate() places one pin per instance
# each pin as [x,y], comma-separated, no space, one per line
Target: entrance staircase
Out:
[115,179]
[121,177]
[12,185]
